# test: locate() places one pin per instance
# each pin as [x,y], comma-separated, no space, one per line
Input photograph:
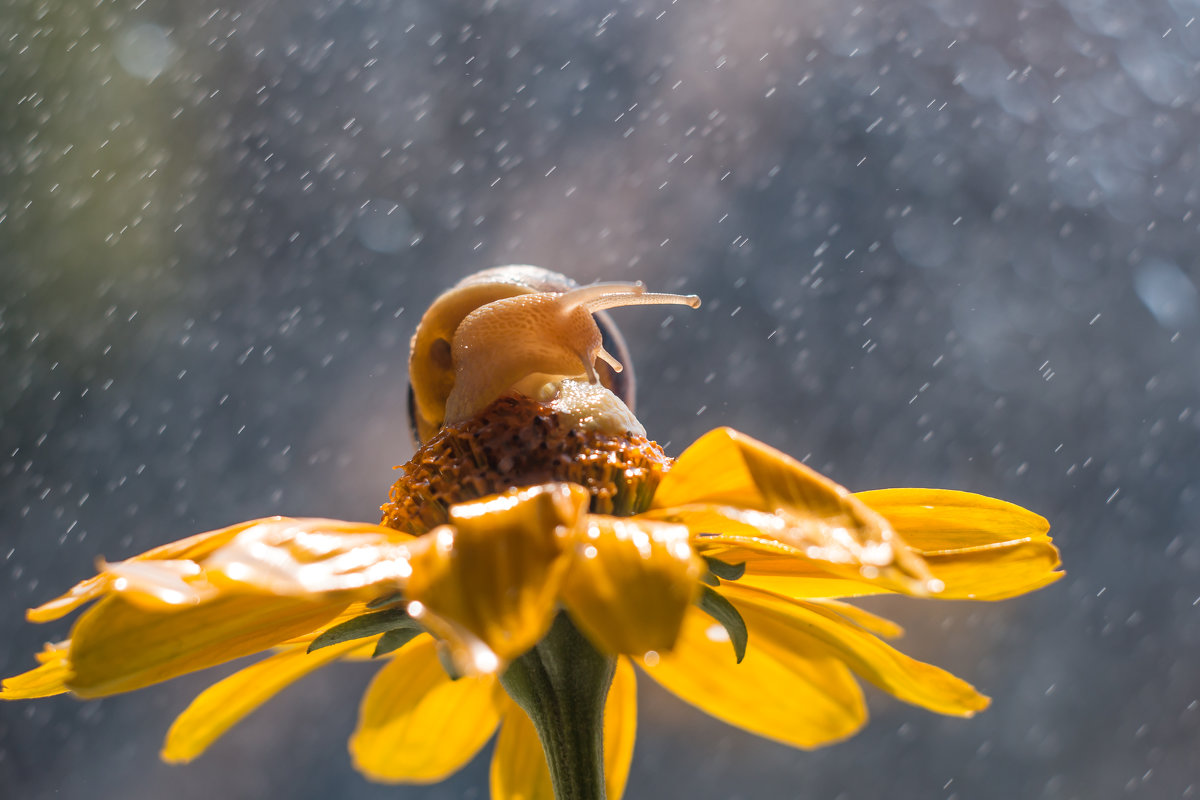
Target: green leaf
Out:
[724,571]
[395,639]
[723,612]
[363,626]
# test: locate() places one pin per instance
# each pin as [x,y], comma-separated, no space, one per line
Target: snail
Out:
[524,329]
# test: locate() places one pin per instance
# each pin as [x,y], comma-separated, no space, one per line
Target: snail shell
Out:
[510,328]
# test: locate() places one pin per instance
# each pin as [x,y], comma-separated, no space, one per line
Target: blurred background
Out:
[940,243]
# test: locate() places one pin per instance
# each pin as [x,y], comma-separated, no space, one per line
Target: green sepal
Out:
[360,627]
[723,612]
[709,579]
[395,639]
[447,662]
[385,600]
[723,570]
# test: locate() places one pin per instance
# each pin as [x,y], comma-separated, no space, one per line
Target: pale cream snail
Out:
[529,330]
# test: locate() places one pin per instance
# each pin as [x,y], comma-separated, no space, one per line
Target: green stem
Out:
[562,684]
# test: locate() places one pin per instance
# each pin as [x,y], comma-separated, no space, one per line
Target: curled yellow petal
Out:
[807,627]
[189,549]
[227,702]
[630,582]
[519,770]
[800,697]
[117,646]
[802,508]
[418,726]
[307,556]
[979,548]
[45,680]
[807,572]
[488,583]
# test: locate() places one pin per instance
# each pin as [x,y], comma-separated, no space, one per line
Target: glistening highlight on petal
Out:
[630,582]
[812,513]
[494,574]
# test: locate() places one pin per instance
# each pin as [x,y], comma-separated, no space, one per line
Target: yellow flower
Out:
[535,549]
[779,541]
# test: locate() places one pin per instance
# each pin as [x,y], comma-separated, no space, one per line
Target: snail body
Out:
[528,330]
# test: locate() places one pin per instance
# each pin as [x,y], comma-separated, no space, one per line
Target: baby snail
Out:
[528,330]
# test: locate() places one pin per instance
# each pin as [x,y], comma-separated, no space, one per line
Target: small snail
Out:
[518,328]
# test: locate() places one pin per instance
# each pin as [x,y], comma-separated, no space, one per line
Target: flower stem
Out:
[562,684]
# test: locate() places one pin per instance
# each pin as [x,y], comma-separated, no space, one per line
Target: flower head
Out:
[540,530]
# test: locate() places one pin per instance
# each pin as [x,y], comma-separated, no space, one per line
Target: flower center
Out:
[517,441]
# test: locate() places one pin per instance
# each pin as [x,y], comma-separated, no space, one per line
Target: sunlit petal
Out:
[189,549]
[117,646]
[45,680]
[807,627]
[822,576]
[157,585]
[307,556]
[418,726]
[980,548]
[943,519]
[492,577]
[803,508]
[800,697]
[630,583]
[228,702]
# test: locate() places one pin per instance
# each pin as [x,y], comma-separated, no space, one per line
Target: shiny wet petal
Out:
[630,582]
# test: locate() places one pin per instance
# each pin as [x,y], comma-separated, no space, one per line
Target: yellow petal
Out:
[802,507]
[418,726]
[630,582]
[980,548]
[620,728]
[189,549]
[228,702]
[864,619]
[799,697]
[117,646]
[158,585]
[807,627]
[45,680]
[307,556]
[808,573]
[488,584]
[519,770]
[943,519]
